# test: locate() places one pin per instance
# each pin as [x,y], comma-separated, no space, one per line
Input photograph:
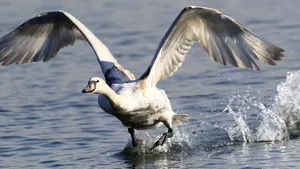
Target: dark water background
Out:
[46,122]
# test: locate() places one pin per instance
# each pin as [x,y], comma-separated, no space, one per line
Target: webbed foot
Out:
[163,139]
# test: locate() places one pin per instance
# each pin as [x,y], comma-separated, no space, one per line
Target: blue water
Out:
[238,118]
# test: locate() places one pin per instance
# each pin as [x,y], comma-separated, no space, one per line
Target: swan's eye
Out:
[97,81]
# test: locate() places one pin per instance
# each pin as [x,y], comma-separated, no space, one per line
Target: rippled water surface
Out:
[238,118]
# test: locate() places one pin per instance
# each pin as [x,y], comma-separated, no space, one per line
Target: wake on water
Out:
[253,122]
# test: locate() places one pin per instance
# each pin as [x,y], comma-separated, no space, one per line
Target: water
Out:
[238,118]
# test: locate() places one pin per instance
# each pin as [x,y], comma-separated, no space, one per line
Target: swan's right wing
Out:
[225,40]
[41,37]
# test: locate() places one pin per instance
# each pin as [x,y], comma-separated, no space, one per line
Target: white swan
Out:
[139,104]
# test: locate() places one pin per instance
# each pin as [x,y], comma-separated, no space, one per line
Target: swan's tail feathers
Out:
[179,117]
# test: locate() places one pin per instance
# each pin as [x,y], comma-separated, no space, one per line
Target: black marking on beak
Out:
[90,87]
[84,91]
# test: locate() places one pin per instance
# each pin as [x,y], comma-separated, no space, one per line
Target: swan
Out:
[138,103]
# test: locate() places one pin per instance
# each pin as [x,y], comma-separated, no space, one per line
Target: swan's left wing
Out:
[225,40]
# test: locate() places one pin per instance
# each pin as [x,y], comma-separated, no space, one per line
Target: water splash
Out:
[254,121]
[288,102]
[180,142]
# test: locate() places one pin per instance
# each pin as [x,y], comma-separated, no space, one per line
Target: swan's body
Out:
[138,103]
[138,109]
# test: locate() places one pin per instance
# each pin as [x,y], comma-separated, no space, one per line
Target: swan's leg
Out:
[163,138]
[133,138]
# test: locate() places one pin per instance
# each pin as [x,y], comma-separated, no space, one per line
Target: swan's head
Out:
[95,85]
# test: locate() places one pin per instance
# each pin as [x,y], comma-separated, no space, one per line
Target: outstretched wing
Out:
[41,37]
[225,40]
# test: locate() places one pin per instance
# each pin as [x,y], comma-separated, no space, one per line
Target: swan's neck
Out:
[113,97]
